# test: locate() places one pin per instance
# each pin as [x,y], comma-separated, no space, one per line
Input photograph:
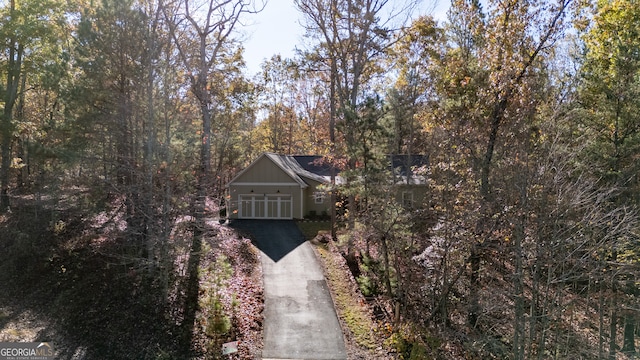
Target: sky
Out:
[277,30]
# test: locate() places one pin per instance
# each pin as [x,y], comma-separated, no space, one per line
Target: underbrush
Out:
[84,285]
[363,335]
[78,294]
[425,315]
[231,296]
[349,304]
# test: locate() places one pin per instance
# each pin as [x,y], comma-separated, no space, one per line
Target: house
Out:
[293,187]
[409,178]
[279,187]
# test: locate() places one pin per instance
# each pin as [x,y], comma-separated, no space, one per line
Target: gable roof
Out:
[295,169]
[403,168]
[312,167]
[314,164]
[290,166]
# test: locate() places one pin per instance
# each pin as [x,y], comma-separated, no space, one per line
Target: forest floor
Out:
[78,281]
[76,278]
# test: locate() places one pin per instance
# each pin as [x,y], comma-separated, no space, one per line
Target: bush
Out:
[217,324]
[213,318]
[413,347]
[222,214]
[418,352]
[368,287]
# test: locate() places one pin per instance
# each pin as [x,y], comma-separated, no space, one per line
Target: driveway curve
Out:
[300,321]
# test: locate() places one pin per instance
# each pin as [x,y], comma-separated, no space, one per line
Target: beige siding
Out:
[264,178]
[418,192]
[310,200]
[264,171]
[256,189]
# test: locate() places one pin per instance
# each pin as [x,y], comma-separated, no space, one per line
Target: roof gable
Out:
[261,164]
[301,167]
[404,168]
[314,164]
[295,168]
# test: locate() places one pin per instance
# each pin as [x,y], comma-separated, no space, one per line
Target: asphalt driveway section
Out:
[300,321]
[275,238]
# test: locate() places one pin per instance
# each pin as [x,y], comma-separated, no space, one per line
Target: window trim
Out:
[407,202]
[319,197]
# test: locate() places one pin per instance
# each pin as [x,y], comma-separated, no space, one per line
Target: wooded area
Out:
[123,120]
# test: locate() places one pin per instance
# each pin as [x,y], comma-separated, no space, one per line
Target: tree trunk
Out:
[518,282]
[332,139]
[519,341]
[165,262]
[13,73]
[474,279]
[629,346]
[613,325]
[401,286]
[546,312]
[601,324]
[387,265]
[21,151]
[534,307]
[485,214]
[6,162]
[150,152]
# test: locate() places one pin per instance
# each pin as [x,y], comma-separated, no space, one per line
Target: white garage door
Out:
[274,206]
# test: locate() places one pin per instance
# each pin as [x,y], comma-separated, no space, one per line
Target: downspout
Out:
[301,202]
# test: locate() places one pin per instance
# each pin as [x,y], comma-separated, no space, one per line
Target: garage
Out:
[277,187]
[265,206]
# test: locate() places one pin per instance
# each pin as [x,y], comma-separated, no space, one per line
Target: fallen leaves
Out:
[242,293]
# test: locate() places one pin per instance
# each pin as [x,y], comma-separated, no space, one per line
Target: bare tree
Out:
[507,81]
[352,36]
[203,34]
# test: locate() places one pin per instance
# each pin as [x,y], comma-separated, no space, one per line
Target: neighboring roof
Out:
[404,167]
[407,162]
[400,164]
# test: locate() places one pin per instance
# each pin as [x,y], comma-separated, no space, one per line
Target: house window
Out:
[407,199]
[318,197]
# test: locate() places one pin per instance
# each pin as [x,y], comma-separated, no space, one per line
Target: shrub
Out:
[368,287]
[213,318]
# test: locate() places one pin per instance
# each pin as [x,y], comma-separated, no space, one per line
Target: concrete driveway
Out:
[300,321]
